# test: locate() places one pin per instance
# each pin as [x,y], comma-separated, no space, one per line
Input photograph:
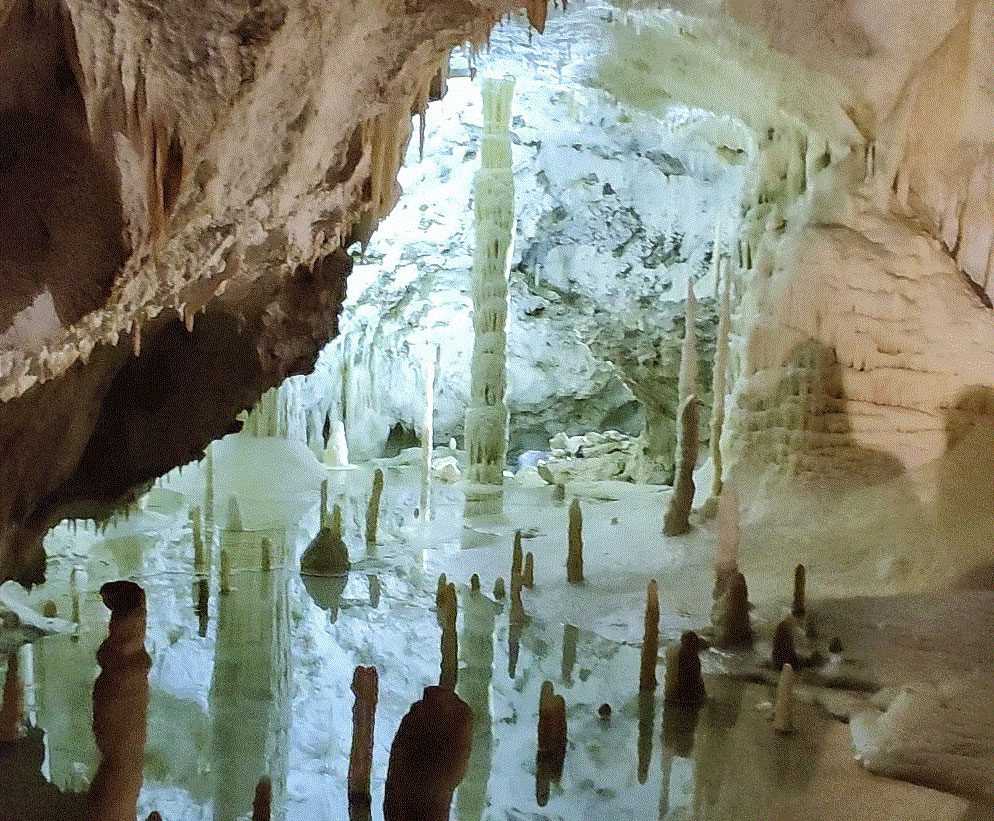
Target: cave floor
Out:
[257,681]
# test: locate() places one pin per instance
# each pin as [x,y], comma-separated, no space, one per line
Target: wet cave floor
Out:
[257,681]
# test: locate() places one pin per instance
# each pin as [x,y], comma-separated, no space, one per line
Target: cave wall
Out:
[171,164]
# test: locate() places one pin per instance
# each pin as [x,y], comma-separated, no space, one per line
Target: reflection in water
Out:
[477,652]
[647,721]
[571,635]
[249,695]
[428,757]
[120,706]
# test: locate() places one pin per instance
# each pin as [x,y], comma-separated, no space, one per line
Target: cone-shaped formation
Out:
[650,639]
[783,645]
[783,708]
[677,519]
[493,189]
[234,515]
[373,509]
[726,562]
[266,554]
[327,554]
[552,734]
[528,577]
[719,373]
[687,378]
[517,556]
[797,607]
[120,706]
[499,590]
[323,509]
[12,709]
[262,804]
[730,615]
[428,757]
[684,684]
[366,688]
[449,669]
[225,571]
[574,558]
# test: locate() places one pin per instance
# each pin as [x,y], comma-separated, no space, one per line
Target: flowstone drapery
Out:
[486,417]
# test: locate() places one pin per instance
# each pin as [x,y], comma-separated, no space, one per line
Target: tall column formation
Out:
[487,415]
[428,430]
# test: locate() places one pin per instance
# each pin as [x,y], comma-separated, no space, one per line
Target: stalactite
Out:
[538,10]
[365,687]
[487,415]
[373,508]
[650,639]
[677,519]
[574,558]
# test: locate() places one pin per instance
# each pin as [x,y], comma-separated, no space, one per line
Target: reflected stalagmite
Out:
[571,636]
[797,606]
[12,710]
[449,669]
[552,735]
[201,592]
[262,804]
[365,687]
[373,509]
[574,558]
[428,757]
[516,626]
[684,684]
[647,721]
[730,614]
[783,645]
[650,639]
[528,576]
[120,706]
[783,708]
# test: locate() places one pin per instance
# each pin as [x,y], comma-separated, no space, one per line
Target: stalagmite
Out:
[730,614]
[323,510]
[74,595]
[552,735]
[199,553]
[262,803]
[516,557]
[336,451]
[571,637]
[373,508]
[726,563]
[12,709]
[797,607]
[225,571]
[719,384]
[783,708]
[120,706]
[201,606]
[428,430]
[487,415]
[266,557]
[574,558]
[677,519]
[234,515]
[650,639]
[684,684]
[687,379]
[441,587]
[449,670]
[528,577]
[428,757]
[647,720]
[50,609]
[327,554]
[474,583]
[365,687]
[783,645]
[499,591]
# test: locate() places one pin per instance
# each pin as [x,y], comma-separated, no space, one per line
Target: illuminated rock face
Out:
[182,251]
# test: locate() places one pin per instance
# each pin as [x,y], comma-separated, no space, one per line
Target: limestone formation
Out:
[719,378]
[650,639]
[552,736]
[225,571]
[336,452]
[200,563]
[441,591]
[428,757]
[234,522]
[263,800]
[687,379]
[373,508]
[327,554]
[365,688]
[486,416]
[499,589]
[647,721]
[266,554]
[430,367]
[449,669]
[684,684]
[797,605]
[323,509]
[726,562]
[50,609]
[516,557]
[528,576]
[574,557]
[120,706]
[677,519]
[730,614]
[474,583]
[783,707]
[783,651]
